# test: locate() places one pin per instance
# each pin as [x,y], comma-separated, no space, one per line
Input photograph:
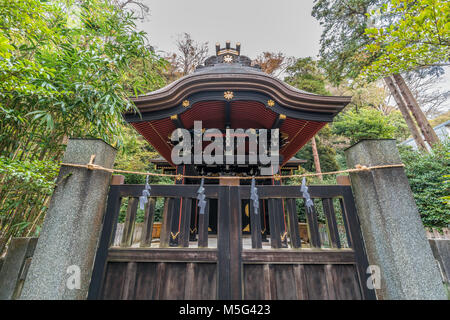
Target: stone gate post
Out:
[68,240]
[393,233]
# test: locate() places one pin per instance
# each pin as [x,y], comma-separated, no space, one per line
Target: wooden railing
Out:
[281,206]
[230,259]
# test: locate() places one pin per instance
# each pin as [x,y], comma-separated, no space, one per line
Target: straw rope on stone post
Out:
[357,168]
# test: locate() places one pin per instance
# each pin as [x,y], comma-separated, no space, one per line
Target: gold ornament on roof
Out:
[270,103]
[228,95]
[228,59]
[185,103]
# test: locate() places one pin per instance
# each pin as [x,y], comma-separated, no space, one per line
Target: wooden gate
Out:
[230,265]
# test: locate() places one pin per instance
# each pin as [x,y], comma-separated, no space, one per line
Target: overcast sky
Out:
[259,25]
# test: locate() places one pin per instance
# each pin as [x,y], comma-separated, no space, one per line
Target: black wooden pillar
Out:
[278,220]
[193,228]
[229,244]
[177,209]
[190,170]
[265,229]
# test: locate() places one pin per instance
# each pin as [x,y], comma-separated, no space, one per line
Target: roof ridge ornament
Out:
[228,50]
[227,55]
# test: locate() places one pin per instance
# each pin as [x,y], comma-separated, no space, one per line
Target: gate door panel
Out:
[133,262]
[330,263]
[322,258]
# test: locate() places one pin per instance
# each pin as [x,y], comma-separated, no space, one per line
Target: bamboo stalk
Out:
[38,216]
[316,158]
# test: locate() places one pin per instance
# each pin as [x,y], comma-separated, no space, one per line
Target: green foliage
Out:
[140,215]
[305,75]
[426,176]
[37,175]
[446,177]
[343,39]
[66,70]
[369,123]
[327,153]
[402,132]
[440,119]
[21,212]
[446,198]
[65,74]
[418,37]
[134,155]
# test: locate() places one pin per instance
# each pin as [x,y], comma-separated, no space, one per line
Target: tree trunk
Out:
[316,157]
[411,102]
[406,115]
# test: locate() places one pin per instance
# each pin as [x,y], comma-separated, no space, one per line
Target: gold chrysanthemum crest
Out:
[270,103]
[228,59]
[185,103]
[228,95]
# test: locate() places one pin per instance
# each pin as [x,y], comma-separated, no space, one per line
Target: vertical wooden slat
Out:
[267,283]
[203,223]
[189,285]
[346,284]
[204,283]
[294,232]
[185,223]
[283,224]
[175,230]
[129,281]
[107,236]
[223,244]
[177,208]
[347,232]
[193,229]
[274,212]
[252,281]
[300,282]
[255,226]
[127,236]
[272,283]
[331,281]
[280,217]
[147,227]
[285,281]
[161,275]
[173,286]
[146,278]
[313,227]
[316,282]
[264,219]
[354,236]
[113,284]
[330,215]
[235,243]
[167,221]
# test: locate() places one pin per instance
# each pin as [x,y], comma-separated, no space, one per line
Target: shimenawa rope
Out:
[358,168]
